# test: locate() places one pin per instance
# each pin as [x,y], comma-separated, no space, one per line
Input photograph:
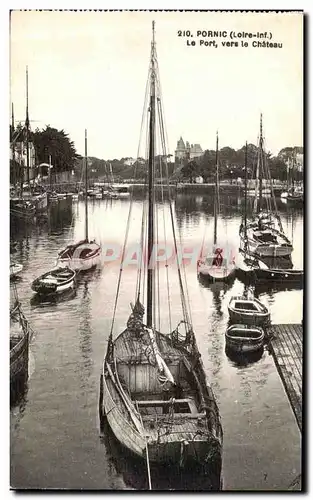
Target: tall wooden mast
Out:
[27,130]
[246,185]
[261,164]
[14,176]
[216,191]
[86,188]
[150,277]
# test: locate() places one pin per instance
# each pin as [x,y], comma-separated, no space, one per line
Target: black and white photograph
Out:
[156,177]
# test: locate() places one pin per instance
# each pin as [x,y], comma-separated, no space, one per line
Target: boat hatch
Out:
[246,306]
[164,407]
[266,236]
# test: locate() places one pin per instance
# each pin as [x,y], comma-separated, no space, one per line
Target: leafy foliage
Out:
[56,143]
[231,164]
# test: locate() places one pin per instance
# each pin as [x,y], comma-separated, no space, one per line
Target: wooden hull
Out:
[15,269]
[248,318]
[244,347]
[241,339]
[46,284]
[267,249]
[184,443]
[216,273]
[19,359]
[79,263]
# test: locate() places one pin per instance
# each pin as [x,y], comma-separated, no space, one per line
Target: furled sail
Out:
[136,327]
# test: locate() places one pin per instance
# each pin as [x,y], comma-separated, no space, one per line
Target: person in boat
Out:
[218,257]
[135,321]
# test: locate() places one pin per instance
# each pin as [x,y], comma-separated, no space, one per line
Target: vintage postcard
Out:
[156,250]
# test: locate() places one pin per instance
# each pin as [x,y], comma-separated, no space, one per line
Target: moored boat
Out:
[118,191]
[264,234]
[20,334]
[86,253]
[249,311]
[139,408]
[55,281]
[244,338]
[219,264]
[15,269]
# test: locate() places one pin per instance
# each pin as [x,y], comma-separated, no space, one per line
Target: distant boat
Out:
[115,190]
[265,191]
[252,268]
[23,209]
[243,338]
[55,281]
[118,191]
[15,269]
[294,193]
[84,254]
[249,311]
[37,197]
[217,265]
[264,235]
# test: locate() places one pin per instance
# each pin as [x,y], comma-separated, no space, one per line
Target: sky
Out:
[89,70]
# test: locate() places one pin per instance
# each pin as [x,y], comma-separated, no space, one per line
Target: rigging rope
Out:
[165,242]
[184,303]
[128,222]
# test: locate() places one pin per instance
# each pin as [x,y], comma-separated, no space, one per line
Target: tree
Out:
[190,170]
[56,143]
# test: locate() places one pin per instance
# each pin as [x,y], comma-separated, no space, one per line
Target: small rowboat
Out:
[248,311]
[244,338]
[15,269]
[55,281]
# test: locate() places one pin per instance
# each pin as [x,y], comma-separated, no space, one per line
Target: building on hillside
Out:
[129,161]
[199,179]
[186,151]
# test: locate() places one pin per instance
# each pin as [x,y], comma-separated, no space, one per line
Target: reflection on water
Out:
[243,359]
[40,300]
[55,430]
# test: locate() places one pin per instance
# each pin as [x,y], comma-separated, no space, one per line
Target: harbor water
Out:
[55,436]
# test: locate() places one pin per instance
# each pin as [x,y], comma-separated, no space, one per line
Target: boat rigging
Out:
[84,254]
[153,389]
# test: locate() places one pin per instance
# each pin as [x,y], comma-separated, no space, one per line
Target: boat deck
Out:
[286,346]
[128,347]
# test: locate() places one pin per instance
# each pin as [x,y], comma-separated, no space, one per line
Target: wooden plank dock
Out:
[286,346]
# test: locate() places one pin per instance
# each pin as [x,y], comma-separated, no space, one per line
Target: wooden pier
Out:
[286,346]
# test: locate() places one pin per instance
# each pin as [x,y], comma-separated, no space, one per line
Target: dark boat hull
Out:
[242,339]
[192,439]
[42,285]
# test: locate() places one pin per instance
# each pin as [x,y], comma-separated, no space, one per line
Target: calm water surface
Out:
[55,436]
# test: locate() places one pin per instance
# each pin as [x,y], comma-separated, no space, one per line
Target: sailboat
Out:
[29,198]
[20,334]
[84,254]
[117,190]
[153,389]
[264,234]
[19,207]
[217,266]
